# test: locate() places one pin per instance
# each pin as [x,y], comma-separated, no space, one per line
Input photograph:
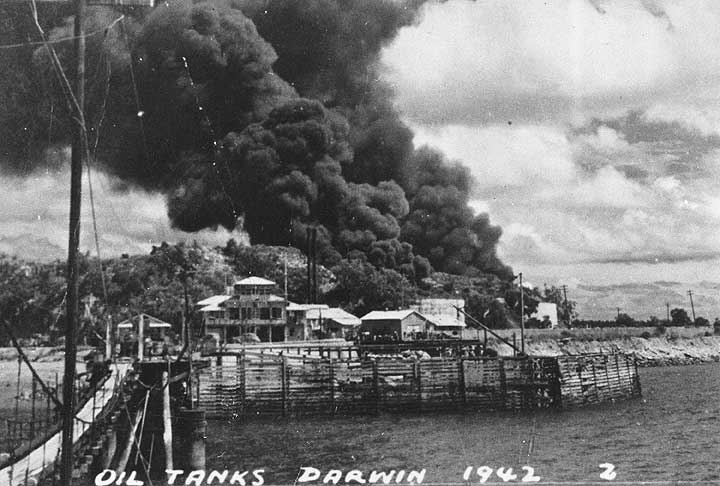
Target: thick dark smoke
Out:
[270,114]
[329,50]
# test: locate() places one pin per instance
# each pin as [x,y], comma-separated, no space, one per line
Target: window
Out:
[265,313]
[234,313]
[276,313]
[246,312]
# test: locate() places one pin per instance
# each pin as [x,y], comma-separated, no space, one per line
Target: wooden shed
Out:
[399,325]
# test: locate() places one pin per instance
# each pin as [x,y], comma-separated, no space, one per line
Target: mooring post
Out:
[108,451]
[461,380]
[192,439]
[167,422]
[418,382]
[503,381]
[283,378]
[617,370]
[376,386]
[332,386]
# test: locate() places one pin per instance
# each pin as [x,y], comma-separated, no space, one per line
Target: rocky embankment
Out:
[651,351]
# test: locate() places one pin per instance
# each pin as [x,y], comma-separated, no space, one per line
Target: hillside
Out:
[33,294]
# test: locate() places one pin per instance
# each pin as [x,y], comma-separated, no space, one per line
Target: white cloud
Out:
[500,60]
[34,223]
[504,156]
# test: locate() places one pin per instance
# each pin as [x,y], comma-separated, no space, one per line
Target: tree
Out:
[624,320]
[361,287]
[679,317]
[566,308]
[496,317]
[702,322]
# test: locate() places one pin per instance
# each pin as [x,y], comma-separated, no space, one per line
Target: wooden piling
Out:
[167,422]
[125,456]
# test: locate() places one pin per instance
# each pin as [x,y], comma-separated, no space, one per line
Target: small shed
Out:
[153,324]
[399,325]
[333,321]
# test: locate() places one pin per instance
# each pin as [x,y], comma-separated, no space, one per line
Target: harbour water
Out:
[671,434]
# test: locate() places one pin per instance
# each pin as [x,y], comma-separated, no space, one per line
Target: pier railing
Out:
[38,455]
[240,384]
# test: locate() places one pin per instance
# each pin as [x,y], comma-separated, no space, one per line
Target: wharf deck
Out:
[43,455]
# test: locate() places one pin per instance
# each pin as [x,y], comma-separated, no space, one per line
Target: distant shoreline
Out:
[674,346]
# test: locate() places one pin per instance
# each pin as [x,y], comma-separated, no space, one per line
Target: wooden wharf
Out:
[37,459]
[248,383]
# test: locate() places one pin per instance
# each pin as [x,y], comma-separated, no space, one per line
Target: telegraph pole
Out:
[667,305]
[522,317]
[692,306]
[71,313]
[567,309]
[78,153]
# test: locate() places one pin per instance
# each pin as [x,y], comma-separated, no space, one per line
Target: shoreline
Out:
[664,350]
[669,349]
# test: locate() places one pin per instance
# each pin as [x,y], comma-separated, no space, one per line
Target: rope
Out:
[142,456]
[133,81]
[213,137]
[61,39]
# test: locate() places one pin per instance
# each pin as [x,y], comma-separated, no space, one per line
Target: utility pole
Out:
[667,305]
[72,311]
[618,309]
[567,309]
[78,152]
[692,306]
[522,317]
[285,274]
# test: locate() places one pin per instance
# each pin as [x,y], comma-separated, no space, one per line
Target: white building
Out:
[549,310]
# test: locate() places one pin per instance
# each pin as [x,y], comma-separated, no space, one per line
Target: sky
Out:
[592,129]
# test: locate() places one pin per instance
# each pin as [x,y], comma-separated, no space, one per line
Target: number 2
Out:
[609,473]
[530,476]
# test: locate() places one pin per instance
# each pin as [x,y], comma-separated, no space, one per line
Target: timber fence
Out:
[238,385]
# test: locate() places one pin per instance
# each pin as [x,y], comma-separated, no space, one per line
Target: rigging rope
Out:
[61,39]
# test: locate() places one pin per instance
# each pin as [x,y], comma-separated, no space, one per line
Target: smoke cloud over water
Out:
[264,114]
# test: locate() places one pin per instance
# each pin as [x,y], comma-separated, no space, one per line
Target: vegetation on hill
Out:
[32,294]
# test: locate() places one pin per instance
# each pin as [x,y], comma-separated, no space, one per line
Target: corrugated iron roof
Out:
[292,306]
[254,281]
[334,313]
[214,300]
[149,321]
[389,315]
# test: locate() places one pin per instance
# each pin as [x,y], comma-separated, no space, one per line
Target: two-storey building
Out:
[251,307]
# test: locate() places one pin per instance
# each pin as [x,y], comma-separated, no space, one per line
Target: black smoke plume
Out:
[267,114]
